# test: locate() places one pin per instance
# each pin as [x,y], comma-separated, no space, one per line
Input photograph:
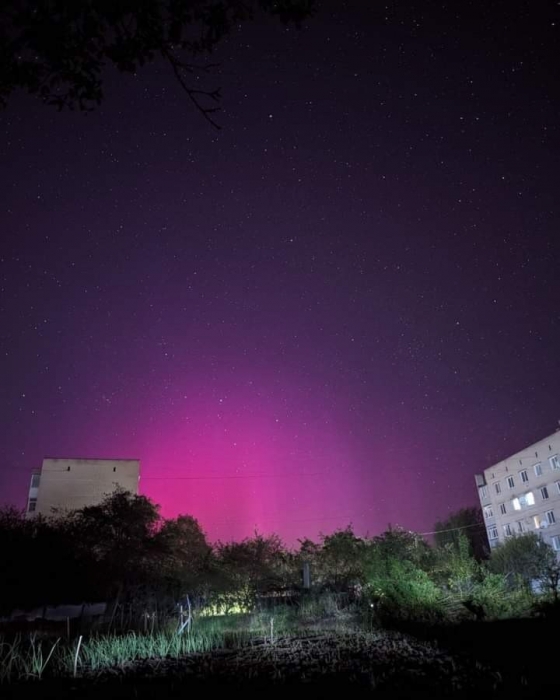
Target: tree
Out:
[183,557]
[246,570]
[396,576]
[57,49]
[402,544]
[454,566]
[523,557]
[469,522]
[116,538]
[341,559]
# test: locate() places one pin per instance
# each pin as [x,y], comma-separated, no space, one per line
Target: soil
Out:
[323,665]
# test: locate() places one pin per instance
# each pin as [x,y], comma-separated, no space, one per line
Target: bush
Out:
[498,600]
[399,591]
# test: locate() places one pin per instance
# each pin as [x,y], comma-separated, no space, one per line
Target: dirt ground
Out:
[378,664]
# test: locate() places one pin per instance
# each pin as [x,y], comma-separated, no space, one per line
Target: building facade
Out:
[522,494]
[69,484]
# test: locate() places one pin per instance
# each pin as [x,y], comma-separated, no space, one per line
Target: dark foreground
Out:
[472,661]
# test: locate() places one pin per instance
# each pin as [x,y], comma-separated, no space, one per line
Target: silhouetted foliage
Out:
[123,552]
[470,523]
[525,557]
[58,50]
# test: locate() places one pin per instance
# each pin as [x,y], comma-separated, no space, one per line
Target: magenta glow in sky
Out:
[336,310]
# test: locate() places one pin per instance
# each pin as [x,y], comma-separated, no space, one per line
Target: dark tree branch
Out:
[193,94]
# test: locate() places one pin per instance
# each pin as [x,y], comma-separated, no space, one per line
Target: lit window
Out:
[32,505]
[555,542]
[544,493]
[508,532]
[488,512]
[550,517]
[520,527]
[493,533]
[516,505]
[510,482]
[35,479]
[554,462]
[528,499]
[536,522]
[524,476]
[538,469]
[503,508]
[498,487]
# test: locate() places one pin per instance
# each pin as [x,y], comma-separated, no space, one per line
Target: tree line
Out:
[123,552]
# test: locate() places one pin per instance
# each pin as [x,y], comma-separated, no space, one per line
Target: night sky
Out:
[335,310]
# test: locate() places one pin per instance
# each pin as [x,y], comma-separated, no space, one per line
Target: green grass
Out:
[30,657]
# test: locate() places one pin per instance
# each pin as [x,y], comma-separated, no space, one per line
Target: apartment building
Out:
[70,483]
[522,493]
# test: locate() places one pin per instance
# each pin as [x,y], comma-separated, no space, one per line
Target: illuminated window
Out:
[555,542]
[35,479]
[544,493]
[550,517]
[528,499]
[488,512]
[493,533]
[32,505]
[503,508]
[538,469]
[536,522]
[498,487]
[510,482]
[508,532]
[554,462]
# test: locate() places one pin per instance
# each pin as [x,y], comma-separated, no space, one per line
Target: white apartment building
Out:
[522,493]
[70,483]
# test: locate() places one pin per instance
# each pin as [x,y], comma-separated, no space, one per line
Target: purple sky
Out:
[337,309]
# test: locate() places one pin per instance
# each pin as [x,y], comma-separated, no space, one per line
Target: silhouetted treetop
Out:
[57,49]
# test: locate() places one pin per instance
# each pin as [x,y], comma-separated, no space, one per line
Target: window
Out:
[35,479]
[520,527]
[558,486]
[510,482]
[488,512]
[524,476]
[550,517]
[544,493]
[554,462]
[528,499]
[503,508]
[493,533]
[32,505]
[483,492]
[538,469]
[555,542]
[537,522]
[498,487]
[508,532]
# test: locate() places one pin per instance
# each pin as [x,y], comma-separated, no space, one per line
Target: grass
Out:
[33,658]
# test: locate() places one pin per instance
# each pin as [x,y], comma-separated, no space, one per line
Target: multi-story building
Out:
[522,493]
[69,484]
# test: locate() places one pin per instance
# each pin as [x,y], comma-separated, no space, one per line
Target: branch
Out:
[193,94]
